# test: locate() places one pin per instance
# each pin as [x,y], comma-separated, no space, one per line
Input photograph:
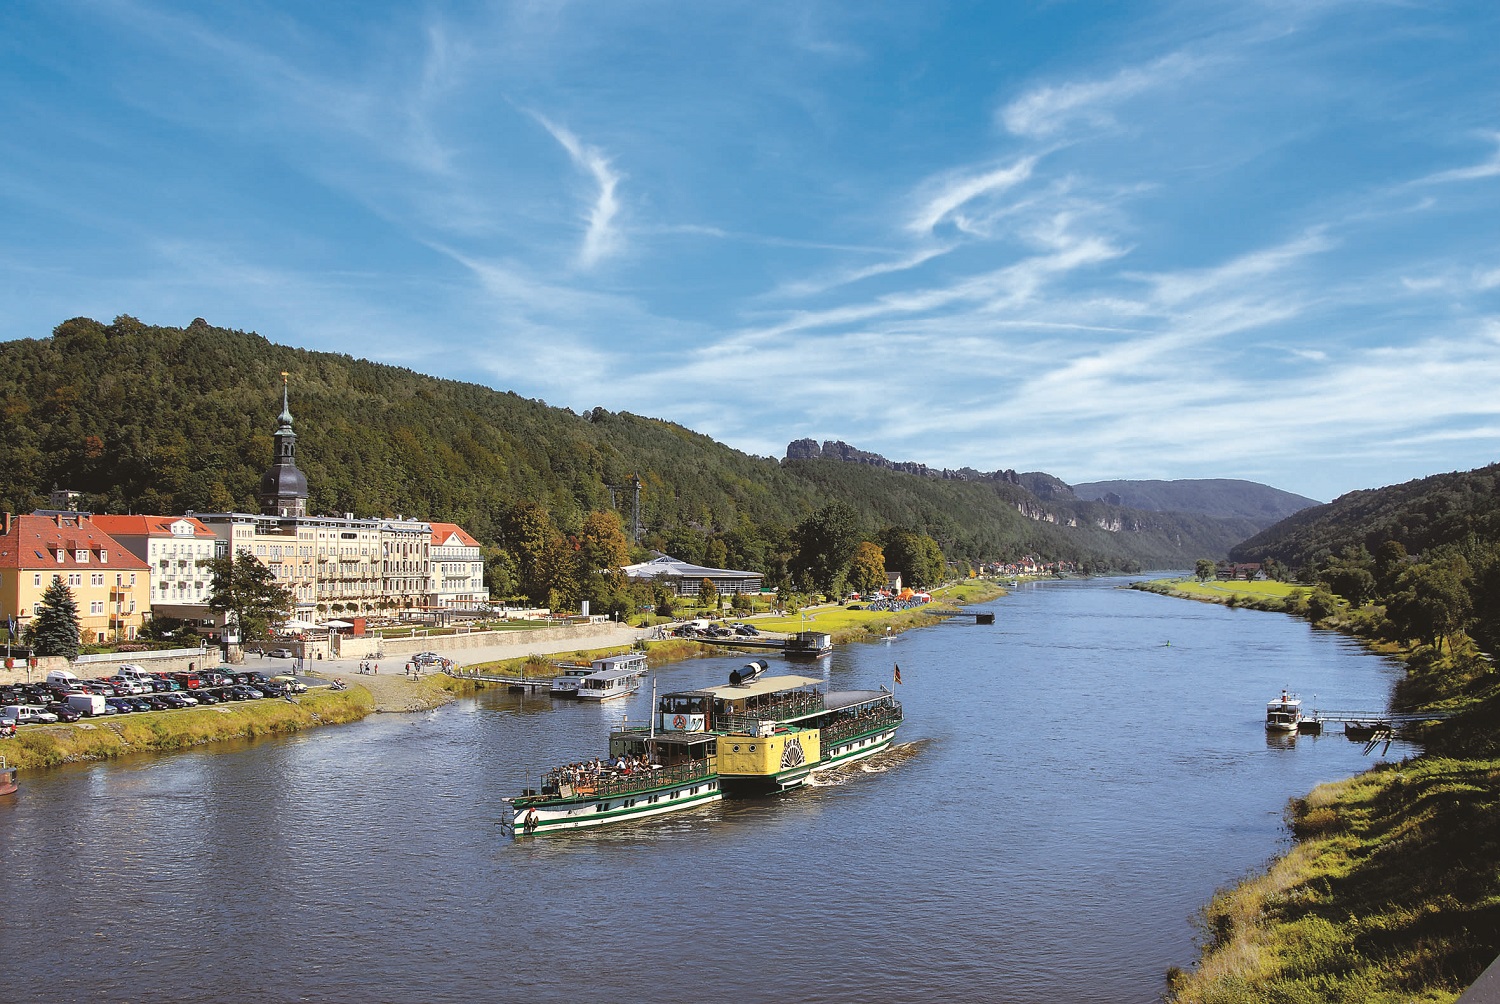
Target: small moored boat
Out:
[1283,715]
[8,785]
[566,685]
[613,676]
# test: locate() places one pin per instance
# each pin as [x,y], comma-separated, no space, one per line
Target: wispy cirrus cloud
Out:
[1489,168]
[1048,109]
[944,197]
[601,238]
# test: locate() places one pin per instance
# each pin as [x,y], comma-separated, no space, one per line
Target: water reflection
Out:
[1068,791]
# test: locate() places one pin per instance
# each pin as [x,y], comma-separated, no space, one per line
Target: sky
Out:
[1099,239]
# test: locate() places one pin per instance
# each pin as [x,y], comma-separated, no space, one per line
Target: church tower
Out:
[283,488]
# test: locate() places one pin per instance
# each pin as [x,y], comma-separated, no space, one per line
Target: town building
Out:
[686,579]
[337,564]
[110,585]
[174,548]
[456,581]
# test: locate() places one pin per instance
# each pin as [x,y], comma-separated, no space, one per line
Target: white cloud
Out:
[1485,169]
[1047,110]
[955,191]
[601,238]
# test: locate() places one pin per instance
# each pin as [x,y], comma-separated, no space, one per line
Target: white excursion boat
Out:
[1283,715]
[613,676]
[566,685]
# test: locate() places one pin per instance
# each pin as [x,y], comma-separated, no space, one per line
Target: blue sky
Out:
[1144,240]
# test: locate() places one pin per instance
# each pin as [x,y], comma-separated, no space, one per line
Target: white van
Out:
[62,676]
[23,714]
[88,705]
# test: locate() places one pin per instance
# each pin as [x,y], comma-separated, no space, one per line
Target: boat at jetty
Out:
[1283,715]
[756,734]
[566,685]
[613,676]
[8,785]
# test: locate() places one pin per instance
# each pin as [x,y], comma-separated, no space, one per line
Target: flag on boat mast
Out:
[898,672]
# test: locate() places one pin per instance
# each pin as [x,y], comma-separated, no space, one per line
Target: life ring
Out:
[679,722]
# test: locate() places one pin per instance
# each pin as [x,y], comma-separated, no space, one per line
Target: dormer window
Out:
[81,556]
[103,556]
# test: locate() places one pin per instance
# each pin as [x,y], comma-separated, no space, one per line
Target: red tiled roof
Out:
[441,532]
[146,526]
[33,542]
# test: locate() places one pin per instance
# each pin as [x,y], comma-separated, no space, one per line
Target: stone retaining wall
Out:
[400,648]
[153,663]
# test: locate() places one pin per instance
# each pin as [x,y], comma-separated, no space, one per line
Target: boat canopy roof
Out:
[836,700]
[634,661]
[608,675]
[757,687]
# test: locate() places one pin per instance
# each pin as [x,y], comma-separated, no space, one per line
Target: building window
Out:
[98,578]
[96,607]
[75,578]
[36,580]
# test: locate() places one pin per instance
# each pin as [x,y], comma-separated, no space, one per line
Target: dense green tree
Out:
[1205,569]
[708,594]
[1349,574]
[244,590]
[54,629]
[825,543]
[1432,601]
[915,555]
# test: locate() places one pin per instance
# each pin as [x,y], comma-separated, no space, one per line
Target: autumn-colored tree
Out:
[867,570]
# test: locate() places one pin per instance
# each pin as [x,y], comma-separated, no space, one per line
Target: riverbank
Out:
[165,731]
[1390,892]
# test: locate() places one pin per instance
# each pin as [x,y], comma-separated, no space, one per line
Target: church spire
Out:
[283,488]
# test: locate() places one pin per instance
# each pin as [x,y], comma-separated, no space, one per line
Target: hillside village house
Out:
[110,585]
[456,579]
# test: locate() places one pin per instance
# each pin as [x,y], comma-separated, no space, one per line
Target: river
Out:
[1072,785]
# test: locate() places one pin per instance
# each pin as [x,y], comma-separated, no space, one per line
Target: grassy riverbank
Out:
[1390,892]
[847,625]
[162,731]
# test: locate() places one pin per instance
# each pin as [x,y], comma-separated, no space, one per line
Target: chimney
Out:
[5,525]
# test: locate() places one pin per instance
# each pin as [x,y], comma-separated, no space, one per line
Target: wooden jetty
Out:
[516,684]
[805,644]
[980,616]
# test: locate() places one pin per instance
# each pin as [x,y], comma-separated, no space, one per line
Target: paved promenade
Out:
[394,691]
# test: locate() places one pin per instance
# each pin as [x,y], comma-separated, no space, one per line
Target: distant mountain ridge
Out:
[1210,496]
[1225,498]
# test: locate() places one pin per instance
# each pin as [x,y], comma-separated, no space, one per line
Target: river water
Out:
[1072,785]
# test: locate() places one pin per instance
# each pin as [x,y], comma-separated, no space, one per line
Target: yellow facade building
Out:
[111,586]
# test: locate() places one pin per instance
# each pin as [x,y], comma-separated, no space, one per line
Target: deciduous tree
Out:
[245,591]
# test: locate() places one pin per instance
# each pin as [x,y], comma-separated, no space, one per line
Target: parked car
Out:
[102,688]
[424,658]
[273,689]
[138,703]
[206,697]
[63,712]
[174,699]
[157,702]
[745,631]
[120,704]
[282,653]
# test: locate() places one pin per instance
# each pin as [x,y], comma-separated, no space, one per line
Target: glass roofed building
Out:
[687,579]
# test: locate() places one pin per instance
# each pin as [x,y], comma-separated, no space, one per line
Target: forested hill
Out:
[154,419]
[1259,503]
[1422,515]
